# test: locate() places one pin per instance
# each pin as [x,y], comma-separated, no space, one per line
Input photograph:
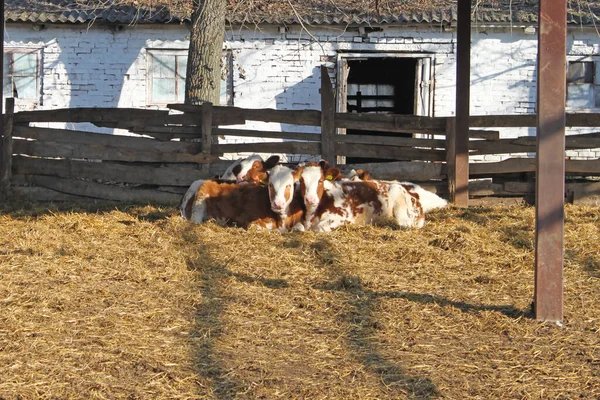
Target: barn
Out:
[383,59]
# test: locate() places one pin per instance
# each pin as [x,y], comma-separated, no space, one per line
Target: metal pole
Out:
[550,172]
[458,174]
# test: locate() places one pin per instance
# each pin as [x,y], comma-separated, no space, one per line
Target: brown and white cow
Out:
[429,200]
[253,164]
[239,169]
[331,204]
[248,204]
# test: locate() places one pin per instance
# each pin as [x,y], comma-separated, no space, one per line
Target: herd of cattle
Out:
[308,196]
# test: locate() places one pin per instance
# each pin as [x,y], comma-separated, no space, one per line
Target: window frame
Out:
[227,73]
[595,85]
[37,51]
[149,79]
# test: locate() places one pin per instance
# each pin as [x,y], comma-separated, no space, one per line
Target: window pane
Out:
[581,96]
[163,66]
[163,90]
[180,90]
[25,87]
[7,86]
[25,64]
[181,66]
[597,95]
[580,72]
[224,93]
[7,59]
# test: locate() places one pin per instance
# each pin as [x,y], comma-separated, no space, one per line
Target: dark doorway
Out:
[381,85]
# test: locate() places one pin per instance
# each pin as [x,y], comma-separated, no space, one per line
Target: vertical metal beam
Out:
[458,173]
[550,172]
[327,118]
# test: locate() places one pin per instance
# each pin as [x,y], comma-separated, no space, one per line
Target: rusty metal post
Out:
[327,118]
[459,172]
[550,171]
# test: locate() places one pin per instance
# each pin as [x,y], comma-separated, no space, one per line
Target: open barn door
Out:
[384,83]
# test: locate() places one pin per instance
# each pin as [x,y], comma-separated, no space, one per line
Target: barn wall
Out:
[103,66]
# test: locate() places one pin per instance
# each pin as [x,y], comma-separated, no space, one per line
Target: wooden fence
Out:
[177,148]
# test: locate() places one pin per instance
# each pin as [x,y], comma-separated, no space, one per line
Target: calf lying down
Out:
[269,205]
[331,203]
[312,196]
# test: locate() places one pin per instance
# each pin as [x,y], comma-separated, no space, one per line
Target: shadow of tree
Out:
[362,328]
[209,325]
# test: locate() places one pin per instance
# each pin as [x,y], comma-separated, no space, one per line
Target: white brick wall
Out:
[103,67]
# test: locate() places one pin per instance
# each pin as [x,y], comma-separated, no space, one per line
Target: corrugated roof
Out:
[314,12]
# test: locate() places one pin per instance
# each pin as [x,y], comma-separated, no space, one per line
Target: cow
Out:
[249,204]
[429,200]
[238,170]
[331,203]
[253,163]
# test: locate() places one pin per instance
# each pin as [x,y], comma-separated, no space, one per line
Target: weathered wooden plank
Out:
[234,115]
[484,134]
[313,148]
[311,137]
[390,123]
[391,141]
[207,122]
[104,152]
[518,165]
[388,152]
[505,201]
[530,120]
[400,170]
[508,166]
[90,114]
[102,191]
[6,143]
[527,144]
[164,175]
[584,193]
[91,138]
[41,194]
[327,118]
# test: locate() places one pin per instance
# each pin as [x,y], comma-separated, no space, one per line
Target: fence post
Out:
[457,166]
[206,130]
[207,120]
[327,118]
[6,146]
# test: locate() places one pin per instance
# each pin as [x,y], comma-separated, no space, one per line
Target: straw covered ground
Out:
[134,302]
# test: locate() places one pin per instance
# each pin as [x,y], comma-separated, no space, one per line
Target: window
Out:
[583,84]
[21,72]
[167,72]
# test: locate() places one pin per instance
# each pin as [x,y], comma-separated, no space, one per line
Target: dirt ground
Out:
[136,303]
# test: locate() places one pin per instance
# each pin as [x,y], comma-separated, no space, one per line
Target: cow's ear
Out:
[271,162]
[324,165]
[297,173]
[332,174]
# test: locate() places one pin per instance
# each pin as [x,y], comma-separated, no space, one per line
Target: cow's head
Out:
[312,182]
[254,170]
[282,181]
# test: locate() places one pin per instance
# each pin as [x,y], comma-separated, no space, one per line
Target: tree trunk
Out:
[203,80]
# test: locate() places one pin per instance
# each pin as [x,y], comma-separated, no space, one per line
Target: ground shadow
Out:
[363,325]
[209,325]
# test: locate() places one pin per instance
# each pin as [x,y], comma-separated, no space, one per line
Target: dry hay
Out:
[137,303]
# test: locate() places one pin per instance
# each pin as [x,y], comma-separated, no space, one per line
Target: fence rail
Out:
[177,148]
